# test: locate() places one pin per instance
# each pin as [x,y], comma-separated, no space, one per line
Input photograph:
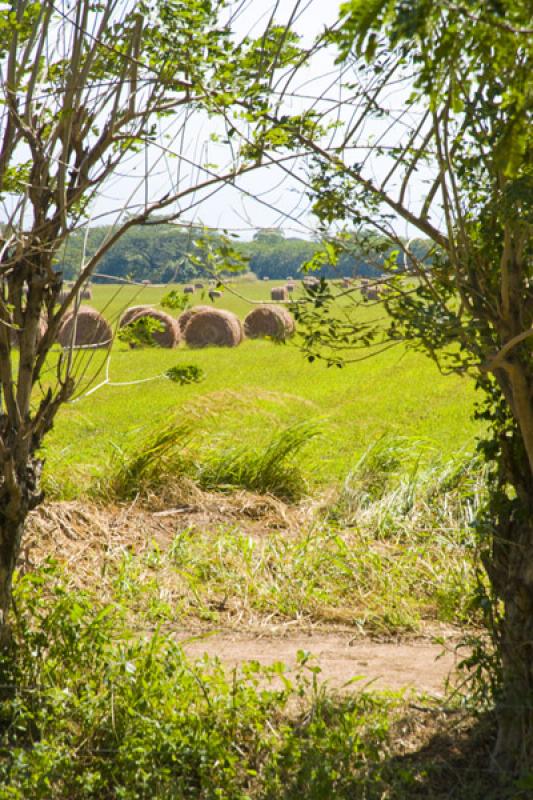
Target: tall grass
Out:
[402,485]
[172,452]
[160,456]
[272,469]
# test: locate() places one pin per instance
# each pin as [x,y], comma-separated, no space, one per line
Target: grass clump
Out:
[171,453]
[400,487]
[159,457]
[272,469]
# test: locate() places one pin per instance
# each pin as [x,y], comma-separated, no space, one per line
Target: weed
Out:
[188,373]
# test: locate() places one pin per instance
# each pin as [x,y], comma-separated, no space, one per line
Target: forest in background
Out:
[162,254]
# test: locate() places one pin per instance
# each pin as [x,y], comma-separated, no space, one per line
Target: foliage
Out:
[184,374]
[90,709]
[175,300]
[166,254]
[159,253]
[140,332]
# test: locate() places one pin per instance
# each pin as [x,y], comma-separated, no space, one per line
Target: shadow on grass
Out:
[454,763]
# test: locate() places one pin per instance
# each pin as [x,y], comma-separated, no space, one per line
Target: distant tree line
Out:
[167,253]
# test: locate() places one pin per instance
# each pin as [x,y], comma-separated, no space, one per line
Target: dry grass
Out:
[251,562]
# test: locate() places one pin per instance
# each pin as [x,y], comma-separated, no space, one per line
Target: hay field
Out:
[250,391]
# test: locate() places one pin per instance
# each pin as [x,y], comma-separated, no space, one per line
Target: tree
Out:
[445,89]
[84,87]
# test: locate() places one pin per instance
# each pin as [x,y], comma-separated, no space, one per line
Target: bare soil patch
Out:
[419,665]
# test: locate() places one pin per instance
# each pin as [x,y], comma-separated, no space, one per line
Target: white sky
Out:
[267,197]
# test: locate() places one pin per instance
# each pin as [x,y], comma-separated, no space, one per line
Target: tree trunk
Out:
[513,752]
[11,531]
[510,569]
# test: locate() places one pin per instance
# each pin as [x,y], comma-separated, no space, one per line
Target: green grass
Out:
[251,392]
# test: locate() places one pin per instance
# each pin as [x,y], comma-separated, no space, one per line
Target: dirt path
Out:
[418,665]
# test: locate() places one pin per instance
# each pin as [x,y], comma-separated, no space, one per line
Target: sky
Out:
[184,152]
[265,198]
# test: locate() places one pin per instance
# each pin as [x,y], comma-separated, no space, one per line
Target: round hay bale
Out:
[198,285]
[91,329]
[266,278]
[214,328]
[279,293]
[186,315]
[214,293]
[188,290]
[86,293]
[290,288]
[273,321]
[170,336]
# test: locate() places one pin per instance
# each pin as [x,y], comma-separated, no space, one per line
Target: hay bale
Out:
[370,290]
[129,314]
[186,315]
[279,293]
[214,328]
[188,290]
[198,285]
[273,321]
[266,278]
[371,293]
[290,288]
[169,337]
[86,293]
[145,282]
[91,329]
[214,293]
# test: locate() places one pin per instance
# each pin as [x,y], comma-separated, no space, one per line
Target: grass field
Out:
[253,390]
